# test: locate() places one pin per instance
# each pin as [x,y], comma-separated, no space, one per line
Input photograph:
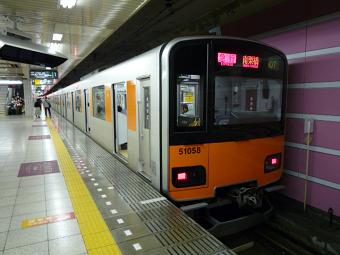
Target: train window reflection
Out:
[98,99]
[78,100]
[241,100]
[189,96]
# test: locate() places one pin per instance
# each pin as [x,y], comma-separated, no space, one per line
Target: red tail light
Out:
[182,177]
[188,176]
[272,162]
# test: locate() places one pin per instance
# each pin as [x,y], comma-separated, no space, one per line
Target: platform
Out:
[102,207]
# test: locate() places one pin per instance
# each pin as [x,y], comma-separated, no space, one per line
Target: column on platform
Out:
[28,97]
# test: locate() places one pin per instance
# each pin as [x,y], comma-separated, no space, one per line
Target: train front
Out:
[226,119]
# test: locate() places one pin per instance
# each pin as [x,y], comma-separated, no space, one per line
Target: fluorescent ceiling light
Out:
[54,47]
[57,37]
[68,3]
[10,82]
[48,68]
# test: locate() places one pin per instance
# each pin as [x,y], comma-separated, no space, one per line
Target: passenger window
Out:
[68,103]
[78,100]
[98,99]
[190,67]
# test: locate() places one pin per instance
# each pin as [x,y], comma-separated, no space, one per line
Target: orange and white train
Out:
[199,117]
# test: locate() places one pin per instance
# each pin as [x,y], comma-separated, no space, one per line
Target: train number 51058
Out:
[189,150]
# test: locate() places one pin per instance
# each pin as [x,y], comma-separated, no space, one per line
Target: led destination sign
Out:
[251,62]
[230,59]
[226,59]
[43,74]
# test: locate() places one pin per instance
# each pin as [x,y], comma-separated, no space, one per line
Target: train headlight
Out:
[272,162]
[188,176]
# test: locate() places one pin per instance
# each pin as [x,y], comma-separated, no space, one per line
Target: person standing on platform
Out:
[47,107]
[37,106]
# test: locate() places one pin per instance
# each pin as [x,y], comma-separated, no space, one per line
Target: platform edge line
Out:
[66,165]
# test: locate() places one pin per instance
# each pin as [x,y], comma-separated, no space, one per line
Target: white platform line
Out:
[314,148]
[313,179]
[314,85]
[314,53]
[152,200]
[333,118]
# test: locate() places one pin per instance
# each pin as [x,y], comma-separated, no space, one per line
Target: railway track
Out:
[263,240]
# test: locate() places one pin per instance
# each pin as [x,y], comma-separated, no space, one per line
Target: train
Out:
[199,117]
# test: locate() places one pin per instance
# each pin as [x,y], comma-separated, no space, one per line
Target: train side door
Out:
[144,116]
[120,120]
[87,110]
[72,105]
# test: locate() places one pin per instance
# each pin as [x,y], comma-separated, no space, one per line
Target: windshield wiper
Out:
[232,113]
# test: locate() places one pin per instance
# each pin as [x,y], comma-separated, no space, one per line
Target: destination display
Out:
[43,74]
[230,59]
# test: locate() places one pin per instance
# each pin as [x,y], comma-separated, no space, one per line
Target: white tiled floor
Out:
[31,197]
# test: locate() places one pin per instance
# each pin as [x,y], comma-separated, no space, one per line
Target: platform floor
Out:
[62,193]
[28,193]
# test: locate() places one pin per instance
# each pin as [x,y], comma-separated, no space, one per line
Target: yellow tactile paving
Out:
[96,234]
[107,250]
[97,240]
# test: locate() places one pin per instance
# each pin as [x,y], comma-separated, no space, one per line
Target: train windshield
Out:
[248,85]
[240,100]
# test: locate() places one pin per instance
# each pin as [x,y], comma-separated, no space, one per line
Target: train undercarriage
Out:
[234,209]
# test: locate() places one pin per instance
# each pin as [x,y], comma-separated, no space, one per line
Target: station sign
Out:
[43,74]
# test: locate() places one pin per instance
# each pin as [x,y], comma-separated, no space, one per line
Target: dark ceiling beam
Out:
[285,14]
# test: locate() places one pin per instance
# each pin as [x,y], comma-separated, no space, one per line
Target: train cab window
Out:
[241,100]
[98,99]
[189,82]
[248,85]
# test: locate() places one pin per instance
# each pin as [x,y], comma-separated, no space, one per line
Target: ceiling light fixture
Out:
[10,82]
[54,47]
[48,68]
[68,3]
[57,37]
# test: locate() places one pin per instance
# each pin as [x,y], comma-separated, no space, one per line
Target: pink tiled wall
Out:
[322,68]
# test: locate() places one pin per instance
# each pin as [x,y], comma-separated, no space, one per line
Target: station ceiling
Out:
[83,27]
[159,21]
[100,33]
